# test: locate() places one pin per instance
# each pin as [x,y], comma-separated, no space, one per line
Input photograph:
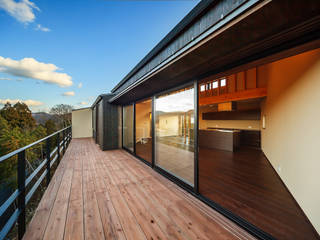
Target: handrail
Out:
[21,194]
[4,157]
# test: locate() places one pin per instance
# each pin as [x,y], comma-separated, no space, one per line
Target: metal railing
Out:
[20,195]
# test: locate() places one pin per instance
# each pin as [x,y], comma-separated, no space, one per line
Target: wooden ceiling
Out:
[274,28]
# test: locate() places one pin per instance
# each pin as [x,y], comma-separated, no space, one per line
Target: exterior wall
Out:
[100,123]
[107,123]
[94,121]
[82,123]
[292,135]
[119,109]
[110,125]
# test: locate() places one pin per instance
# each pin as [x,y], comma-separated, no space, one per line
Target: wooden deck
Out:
[112,195]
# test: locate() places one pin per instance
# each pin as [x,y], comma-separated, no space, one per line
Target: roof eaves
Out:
[175,32]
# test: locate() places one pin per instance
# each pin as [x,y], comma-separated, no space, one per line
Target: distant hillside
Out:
[42,117]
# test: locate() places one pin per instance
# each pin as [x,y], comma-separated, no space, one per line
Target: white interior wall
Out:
[291,140]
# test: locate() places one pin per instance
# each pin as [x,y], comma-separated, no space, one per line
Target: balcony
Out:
[98,194]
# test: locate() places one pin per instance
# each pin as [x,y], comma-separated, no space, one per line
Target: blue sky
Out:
[50,48]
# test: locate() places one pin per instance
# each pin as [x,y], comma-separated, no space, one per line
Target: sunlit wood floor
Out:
[112,195]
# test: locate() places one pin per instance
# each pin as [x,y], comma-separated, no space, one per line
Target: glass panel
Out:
[143,130]
[128,127]
[223,82]
[215,84]
[174,148]
[236,149]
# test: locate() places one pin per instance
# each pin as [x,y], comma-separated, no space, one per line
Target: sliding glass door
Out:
[128,141]
[174,134]
[144,129]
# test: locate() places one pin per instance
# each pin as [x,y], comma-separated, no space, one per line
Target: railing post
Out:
[67,134]
[58,147]
[70,134]
[64,141]
[48,160]
[22,193]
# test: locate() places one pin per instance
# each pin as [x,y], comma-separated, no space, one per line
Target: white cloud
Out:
[182,101]
[41,28]
[31,68]
[83,103]
[21,10]
[80,85]
[30,103]
[10,79]
[5,79]
[68,94]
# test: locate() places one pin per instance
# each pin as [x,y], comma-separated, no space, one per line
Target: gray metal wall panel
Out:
[106,124]
[100,128]
[110,126]
[94,128]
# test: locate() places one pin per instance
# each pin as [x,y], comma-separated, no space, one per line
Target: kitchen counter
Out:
[222,139]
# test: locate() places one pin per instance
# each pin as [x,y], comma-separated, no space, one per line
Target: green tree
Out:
[4,131]
[50,126]
[18,115]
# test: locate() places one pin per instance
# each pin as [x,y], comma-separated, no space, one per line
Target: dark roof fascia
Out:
[175,32]
[97,100]
[101,96]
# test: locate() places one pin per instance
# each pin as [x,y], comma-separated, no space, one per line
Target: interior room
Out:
[174,129]
[144,130]
[245,123]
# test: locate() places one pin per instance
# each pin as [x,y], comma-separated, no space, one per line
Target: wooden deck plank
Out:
[112,195]
[74,224]
[92,221]
[38,224]
[56,224]
[128,221]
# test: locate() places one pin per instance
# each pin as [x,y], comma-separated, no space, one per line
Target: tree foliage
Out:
[17,129]
[63,112]
[50,126]
[18,115]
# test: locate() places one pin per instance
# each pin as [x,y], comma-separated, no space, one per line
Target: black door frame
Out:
[133,129]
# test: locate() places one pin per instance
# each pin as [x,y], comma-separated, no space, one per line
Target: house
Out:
[226,106]
[213,135]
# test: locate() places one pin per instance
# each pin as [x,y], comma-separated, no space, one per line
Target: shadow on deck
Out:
[112,195]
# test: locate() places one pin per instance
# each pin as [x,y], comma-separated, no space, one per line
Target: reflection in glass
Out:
[174,148]
[143,130]
[128,127]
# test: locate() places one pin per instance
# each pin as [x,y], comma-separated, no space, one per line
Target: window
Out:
[215,84]
[174,140]
[144,130]
[223,82]
[202,88]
